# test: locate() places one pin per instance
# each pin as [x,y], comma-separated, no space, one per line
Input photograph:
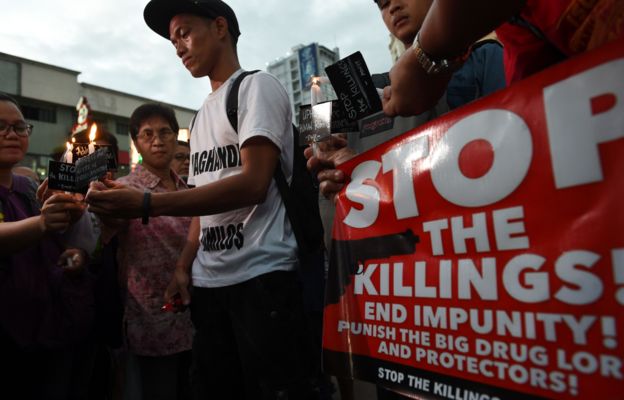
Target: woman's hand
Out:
[58,212]
[177,296]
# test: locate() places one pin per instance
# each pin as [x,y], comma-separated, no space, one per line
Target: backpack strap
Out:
[284,190]
[231,109]
[231,103]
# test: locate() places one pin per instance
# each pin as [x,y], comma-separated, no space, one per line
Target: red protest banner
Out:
[482,256]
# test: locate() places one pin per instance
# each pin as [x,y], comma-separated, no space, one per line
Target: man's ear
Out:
[221,26]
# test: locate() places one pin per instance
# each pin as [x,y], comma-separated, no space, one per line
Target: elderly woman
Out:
[46,311]
[159,340]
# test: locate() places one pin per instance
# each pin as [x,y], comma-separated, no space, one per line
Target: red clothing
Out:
[569,27]
[147,256]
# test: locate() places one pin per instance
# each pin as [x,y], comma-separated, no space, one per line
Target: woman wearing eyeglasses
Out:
[45,310]
[181,159]
[158,341]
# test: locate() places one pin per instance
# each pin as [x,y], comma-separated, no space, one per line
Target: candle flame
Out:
[92,132]
[69,146]
[315,80]
[73,140]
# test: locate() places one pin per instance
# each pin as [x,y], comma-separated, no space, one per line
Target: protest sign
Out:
[338,123]
[61,176]
[374,124]
[354,87]
[111,158]
[91,168]
[482,255]
[315,123]
[80,150]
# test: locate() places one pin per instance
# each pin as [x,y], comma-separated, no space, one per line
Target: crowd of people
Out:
[82,289]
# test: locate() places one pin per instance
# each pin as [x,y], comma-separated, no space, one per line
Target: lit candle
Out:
[92,133]
[315,92]
[315,98]
[69,156]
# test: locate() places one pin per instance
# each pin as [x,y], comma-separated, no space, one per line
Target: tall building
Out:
[295,72]
[48,96]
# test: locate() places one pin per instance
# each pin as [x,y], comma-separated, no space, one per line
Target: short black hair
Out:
[184,143]
[6,97]
[149,110]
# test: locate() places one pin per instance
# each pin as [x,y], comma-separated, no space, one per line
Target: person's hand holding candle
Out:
[109,198]
[324,163]
[58,212]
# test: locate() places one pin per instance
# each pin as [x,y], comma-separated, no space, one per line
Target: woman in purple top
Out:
[45,313]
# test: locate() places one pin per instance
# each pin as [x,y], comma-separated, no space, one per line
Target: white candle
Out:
[92,133]
[315,98]
[315,93]
[69,156]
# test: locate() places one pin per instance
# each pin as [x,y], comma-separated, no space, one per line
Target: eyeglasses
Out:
[20,129]
[164,135]
[182,157]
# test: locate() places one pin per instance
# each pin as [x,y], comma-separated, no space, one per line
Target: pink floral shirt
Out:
[147,255]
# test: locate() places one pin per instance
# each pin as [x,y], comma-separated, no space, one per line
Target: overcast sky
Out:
[110,44]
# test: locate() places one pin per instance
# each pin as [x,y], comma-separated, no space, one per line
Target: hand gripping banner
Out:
[481,256]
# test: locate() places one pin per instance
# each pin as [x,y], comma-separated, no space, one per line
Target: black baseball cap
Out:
[158,13]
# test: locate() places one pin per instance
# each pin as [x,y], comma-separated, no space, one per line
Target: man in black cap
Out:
[250,340]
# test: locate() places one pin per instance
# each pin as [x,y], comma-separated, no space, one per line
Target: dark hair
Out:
[151,110]
[183,143]
[6,97]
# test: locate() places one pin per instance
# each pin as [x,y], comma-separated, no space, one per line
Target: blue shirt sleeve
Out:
[490,69]
[481,74]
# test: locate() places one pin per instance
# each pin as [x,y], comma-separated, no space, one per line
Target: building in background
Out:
[397,48]
[296,69]
[48,96]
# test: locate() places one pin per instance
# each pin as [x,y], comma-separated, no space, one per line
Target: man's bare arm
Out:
[449,28]
[258,158]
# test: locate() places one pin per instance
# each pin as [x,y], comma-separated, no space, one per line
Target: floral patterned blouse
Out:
[147,255]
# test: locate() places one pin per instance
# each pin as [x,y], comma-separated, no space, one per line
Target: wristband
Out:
[147,199]
[437,66]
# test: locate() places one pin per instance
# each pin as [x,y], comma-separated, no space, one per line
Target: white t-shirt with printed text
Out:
[238,245]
